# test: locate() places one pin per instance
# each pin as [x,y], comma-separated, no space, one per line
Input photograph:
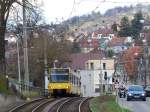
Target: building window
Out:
[104,66]
[87,66]
[99,36]
[97,90]
[105,75]
[84,89]
[92,66]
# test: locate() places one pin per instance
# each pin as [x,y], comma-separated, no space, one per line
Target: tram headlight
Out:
[51,87]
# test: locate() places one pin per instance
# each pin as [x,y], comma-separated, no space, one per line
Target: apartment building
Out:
[97,77]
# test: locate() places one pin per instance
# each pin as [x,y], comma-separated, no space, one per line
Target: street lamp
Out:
[54,63]
[7,82]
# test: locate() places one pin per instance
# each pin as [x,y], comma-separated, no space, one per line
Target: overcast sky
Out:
[67,8]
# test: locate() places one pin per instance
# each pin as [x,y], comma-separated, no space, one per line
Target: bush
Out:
[29,94]
[3,85]
[106,104]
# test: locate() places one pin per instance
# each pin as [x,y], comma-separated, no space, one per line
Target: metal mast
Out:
[45,61]
[26,73]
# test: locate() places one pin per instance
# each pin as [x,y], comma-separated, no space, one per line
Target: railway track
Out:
[76,104]
[72,105]
[41,107]
[28,106]
[84,105]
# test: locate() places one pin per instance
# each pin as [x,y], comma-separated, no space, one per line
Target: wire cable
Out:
[111,1]
[73,7]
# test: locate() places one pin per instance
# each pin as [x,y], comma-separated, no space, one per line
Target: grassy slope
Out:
[3,88]
[106,104]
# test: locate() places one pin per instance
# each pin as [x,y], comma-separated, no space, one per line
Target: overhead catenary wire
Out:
[100,2]
[137,1]
[73,7]
[75,2]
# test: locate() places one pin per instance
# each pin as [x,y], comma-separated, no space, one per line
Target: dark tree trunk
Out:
[2,47]
[4,12]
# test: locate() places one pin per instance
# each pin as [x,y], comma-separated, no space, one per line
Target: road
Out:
[135,105]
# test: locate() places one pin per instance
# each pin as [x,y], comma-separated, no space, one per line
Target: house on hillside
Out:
[97,77]
[97,39]
[103,33]
[88,45]
[146,25]
[117,45]
[78,59]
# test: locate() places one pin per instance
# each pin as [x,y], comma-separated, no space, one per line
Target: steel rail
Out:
[67,100]
[25,104]
[42,104]
[82,103]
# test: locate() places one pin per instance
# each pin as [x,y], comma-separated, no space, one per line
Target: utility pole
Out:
[26,69]
[45,62]
[18,56]
[146,61]
[101,79]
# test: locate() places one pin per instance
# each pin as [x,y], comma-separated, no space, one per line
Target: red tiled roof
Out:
[79,59]
[116,41]
[93,43]
[103,32]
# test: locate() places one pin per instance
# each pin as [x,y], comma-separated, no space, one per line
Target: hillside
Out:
[96,20]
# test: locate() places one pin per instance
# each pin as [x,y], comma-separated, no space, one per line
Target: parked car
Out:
[147,91]
[136,92]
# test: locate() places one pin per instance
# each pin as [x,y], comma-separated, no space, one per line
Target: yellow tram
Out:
[63,81]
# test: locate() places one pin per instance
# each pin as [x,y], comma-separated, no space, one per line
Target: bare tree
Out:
[5,8]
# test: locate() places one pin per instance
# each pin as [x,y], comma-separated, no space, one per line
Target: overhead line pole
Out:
[45,60]
[146,62]
[26,69]
[101,79]
[18,60]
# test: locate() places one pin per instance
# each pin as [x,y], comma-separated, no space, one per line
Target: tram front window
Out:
[59,78]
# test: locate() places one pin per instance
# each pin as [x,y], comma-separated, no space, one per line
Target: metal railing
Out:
[23,90]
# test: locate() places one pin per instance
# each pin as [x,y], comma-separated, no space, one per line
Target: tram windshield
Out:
[59,75]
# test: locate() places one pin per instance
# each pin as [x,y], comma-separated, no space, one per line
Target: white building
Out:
[94,75]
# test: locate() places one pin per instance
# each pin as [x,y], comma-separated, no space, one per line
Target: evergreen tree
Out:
[114,27]
[76,47]
[137,24]
[110,53]
[125,27]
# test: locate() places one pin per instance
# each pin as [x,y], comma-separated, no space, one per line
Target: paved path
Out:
[7,102]
[135,106]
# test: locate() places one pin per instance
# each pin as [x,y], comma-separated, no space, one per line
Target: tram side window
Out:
[75,80]
[72,79]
